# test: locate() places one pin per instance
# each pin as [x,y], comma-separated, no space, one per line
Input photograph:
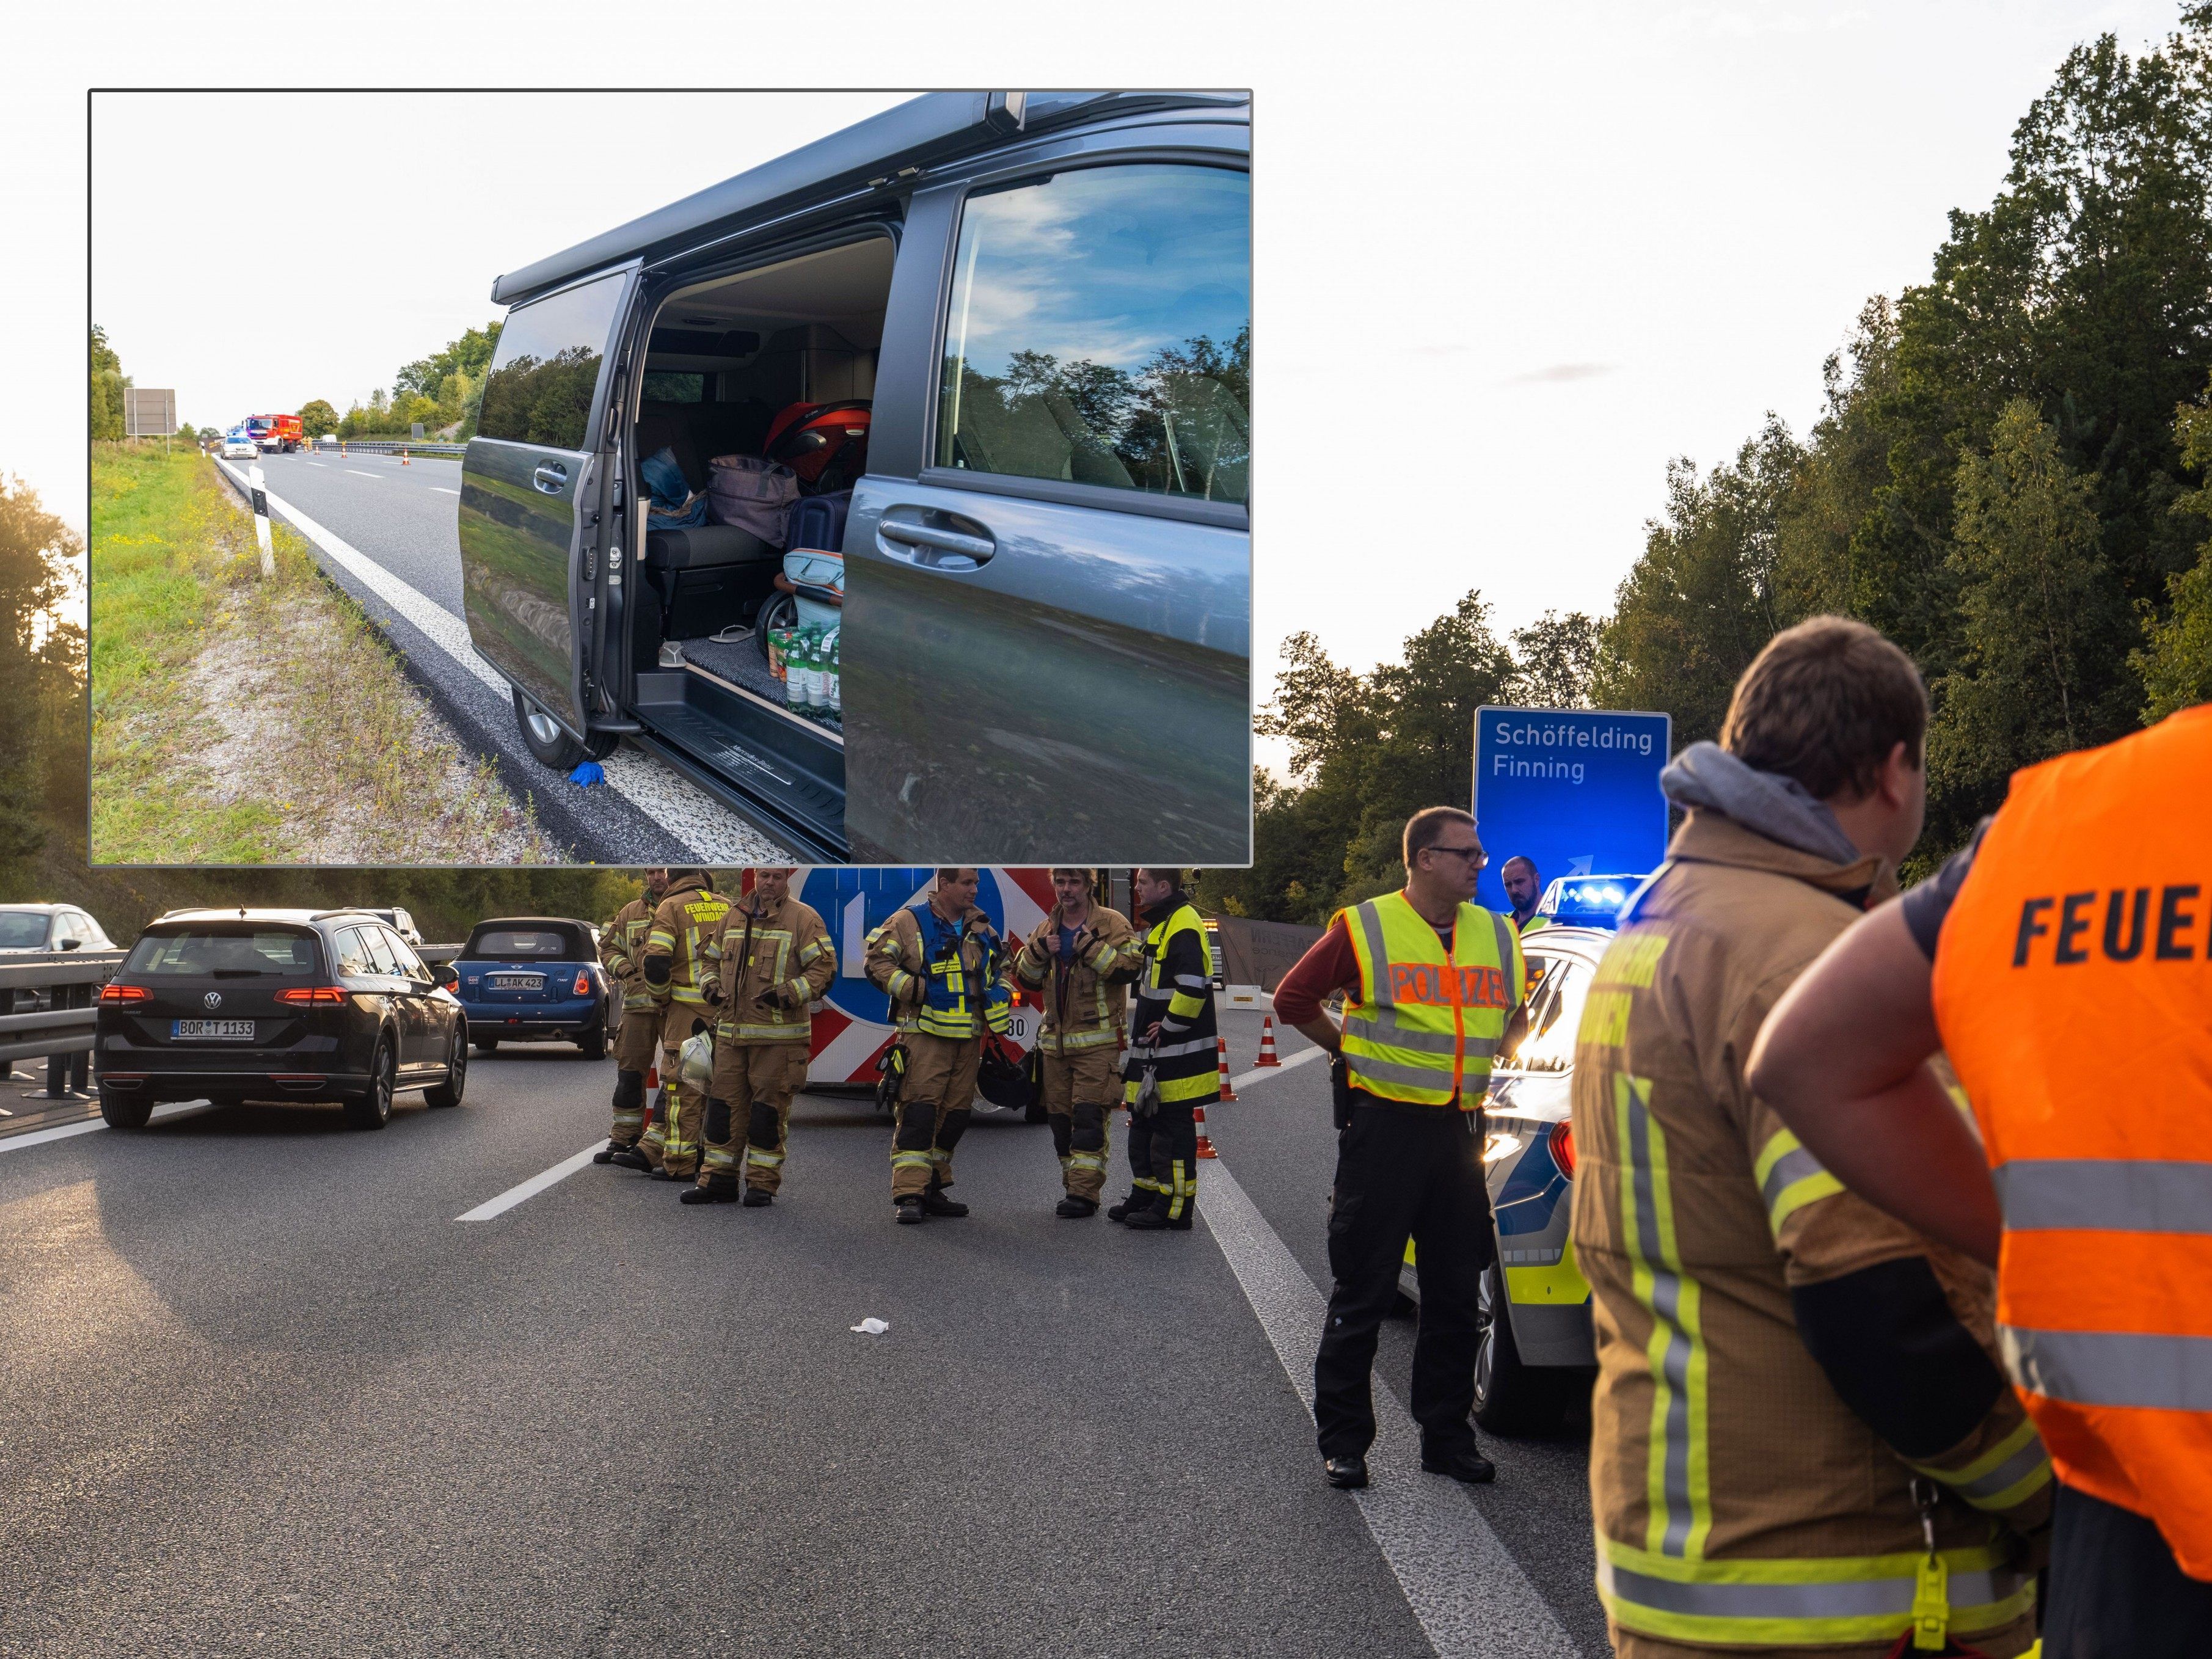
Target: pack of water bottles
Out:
[806,661]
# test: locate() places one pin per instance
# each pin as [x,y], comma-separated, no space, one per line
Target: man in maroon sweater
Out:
[1409,1159]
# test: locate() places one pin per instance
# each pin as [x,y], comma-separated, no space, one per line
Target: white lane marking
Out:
[443,490]
[709,829]
[529,1188]
[1298,1059]
[1471,1598]
[358,473]
[41,1137]
[318,463]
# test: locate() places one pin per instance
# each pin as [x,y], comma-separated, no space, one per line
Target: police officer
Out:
[768,960]
[1433,987]
[621,944]
[1079,960]
[1173,1065]
[941,962]
[1524,887]
[675,969]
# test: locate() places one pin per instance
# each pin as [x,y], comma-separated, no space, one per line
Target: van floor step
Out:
[754,767]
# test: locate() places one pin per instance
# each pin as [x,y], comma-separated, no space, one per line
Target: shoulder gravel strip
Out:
[1471,1597]
[713,834]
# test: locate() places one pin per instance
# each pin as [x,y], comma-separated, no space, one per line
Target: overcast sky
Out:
[1509,259]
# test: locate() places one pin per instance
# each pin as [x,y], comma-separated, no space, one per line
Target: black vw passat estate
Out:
[249,1004]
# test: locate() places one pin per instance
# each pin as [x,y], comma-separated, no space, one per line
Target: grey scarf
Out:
[1706,776]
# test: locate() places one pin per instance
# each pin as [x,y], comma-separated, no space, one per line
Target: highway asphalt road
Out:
[268,1393]
[399,558]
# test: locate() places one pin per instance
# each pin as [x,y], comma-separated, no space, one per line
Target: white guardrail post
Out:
[261,519]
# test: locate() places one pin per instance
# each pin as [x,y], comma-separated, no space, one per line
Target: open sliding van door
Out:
[537,508]
[1047,649]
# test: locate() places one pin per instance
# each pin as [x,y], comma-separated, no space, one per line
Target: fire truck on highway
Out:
[276,434]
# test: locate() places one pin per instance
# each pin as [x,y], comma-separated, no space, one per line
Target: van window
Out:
[675,385]
[1101,332]
[548,366]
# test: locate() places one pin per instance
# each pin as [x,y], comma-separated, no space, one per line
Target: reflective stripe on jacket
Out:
[1175,991]
[1084,999]
[1426,1022]
[785,950]
[2089,911]
[687,917]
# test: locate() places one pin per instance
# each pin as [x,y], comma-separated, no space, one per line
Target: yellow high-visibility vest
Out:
[1427,1023]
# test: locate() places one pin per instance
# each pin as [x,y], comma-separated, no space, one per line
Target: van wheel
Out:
[1509,1397]
[448,1093]
[372,1107]
[777,610]
[125,1111]
[542,737]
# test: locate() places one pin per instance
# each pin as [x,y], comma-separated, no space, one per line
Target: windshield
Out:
[551,943]
[240,952]
[22,930]
[1559,986]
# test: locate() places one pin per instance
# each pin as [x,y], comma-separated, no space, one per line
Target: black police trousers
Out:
[2116,1590]
[1403,1171]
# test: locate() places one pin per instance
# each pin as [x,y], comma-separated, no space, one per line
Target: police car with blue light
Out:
[1536,1357]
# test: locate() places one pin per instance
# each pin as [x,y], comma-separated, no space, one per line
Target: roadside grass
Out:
[242,721]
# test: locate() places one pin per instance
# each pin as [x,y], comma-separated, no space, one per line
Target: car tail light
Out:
[112,994]
[1563,1147]
[300,996]
[583,986]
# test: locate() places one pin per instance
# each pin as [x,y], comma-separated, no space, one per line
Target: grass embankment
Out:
[239,719]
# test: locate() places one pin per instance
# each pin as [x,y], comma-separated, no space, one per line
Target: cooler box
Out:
[817,581]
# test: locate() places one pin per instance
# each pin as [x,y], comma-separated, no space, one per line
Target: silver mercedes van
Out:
[985,360]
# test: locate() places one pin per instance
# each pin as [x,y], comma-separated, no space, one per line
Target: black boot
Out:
[908,1208]
[1076,1209]
[715,1189]
[611,1152]
[630,1158]
[1139,1198]
[756,1197]
[1150,1219]
[1462,1462]
[934,1202]
[1186,1220]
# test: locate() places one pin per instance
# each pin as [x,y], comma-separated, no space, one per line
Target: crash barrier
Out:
[395,446]
[1260,953]
[49,1012]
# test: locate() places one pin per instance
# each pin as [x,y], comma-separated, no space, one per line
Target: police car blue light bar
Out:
[1586,901]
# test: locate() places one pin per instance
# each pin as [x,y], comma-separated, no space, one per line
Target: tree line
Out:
[2008,477]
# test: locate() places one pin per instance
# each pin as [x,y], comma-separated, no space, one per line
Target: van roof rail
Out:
[904,138]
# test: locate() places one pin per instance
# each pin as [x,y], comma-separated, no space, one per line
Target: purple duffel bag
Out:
[752,494]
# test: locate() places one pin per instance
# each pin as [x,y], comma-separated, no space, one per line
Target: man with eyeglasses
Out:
[1434,987]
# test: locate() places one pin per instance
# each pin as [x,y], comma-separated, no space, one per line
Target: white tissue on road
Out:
[871,1327]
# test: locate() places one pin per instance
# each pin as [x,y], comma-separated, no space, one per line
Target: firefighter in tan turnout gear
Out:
[621,944]
[1800,1440]
[769,959]
[1080,960]
[674,968]
[940,963]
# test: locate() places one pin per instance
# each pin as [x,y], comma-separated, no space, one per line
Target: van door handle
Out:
[931,548]
[551,478]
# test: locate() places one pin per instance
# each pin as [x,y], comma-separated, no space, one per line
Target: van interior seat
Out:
[695,433]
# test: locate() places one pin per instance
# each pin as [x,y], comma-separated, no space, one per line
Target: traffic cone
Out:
[1205,1145]
[652,1097]
[1267,1055]
[403,457]
[1221,1054]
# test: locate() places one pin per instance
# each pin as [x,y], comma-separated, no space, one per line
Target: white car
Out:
[237,446]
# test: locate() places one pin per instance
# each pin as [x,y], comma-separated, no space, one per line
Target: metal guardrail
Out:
[61,1032]
[393,445]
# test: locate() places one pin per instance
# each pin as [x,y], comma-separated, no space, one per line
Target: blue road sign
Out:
[1576,791]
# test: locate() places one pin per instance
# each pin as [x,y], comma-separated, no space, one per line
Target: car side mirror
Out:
[449,979]
[72,944]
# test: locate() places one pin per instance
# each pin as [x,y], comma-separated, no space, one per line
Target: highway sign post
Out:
[1576,790]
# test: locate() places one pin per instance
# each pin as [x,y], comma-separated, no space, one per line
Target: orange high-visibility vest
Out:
[2073,992]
